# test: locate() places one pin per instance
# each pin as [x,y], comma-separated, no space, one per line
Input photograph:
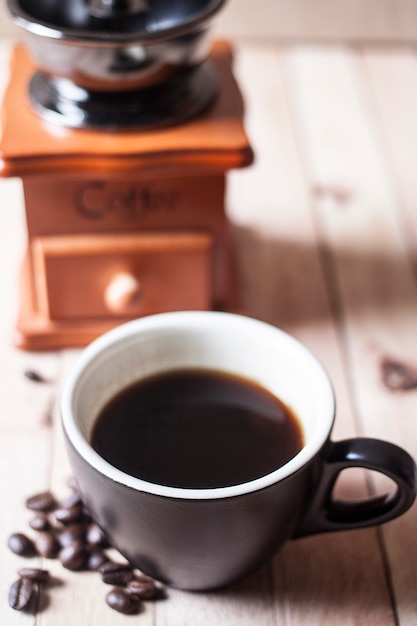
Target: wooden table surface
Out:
[325,227]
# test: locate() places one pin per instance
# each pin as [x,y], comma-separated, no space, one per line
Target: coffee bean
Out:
[47,545]
[40,522]
[123,601]
[116,573]
[23,594]
[95,558]
[67,531]
[73,556]
[74,533]
[21,544]
[35,376]
[95,535]
[143,587]
[69,515]
[33,573]
[73,500]
[44,501]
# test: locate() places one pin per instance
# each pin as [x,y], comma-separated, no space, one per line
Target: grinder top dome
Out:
[111,20]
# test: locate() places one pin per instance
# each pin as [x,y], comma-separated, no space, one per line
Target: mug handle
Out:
[326,514]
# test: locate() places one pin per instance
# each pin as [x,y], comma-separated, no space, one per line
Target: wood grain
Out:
[325,232]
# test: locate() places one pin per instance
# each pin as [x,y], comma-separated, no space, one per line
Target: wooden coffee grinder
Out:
[122,120]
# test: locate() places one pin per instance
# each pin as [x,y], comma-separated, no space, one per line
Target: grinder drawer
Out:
[123,275]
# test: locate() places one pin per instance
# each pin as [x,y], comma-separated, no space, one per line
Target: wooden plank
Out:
[391,72]
[243,604]
[376,294]
[330,20]
[281,261]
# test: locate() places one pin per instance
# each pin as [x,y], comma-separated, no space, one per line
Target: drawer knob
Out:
[123,293]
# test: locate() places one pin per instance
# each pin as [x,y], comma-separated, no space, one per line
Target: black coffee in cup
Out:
[196,429]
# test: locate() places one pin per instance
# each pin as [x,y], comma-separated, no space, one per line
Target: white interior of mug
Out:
[198,339]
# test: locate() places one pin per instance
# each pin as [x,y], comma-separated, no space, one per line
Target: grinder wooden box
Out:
[121,224]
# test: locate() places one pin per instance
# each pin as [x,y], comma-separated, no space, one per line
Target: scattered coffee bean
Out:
[95,558]
[40,522]
[23,594]
[116,573]
[44,501]
[95,535]
[47,545]
[74,556]
[69,515]
[72,500]
[74,533]
[398,376]
[35,376]
[123,601]
[33,573]
[21,544]
[143,587]
[66,530]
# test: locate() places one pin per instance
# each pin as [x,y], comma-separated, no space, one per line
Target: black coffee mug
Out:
[199,539]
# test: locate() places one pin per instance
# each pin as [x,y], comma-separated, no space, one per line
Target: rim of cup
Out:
[187,322]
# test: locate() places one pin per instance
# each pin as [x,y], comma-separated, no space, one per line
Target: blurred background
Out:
[394,20]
